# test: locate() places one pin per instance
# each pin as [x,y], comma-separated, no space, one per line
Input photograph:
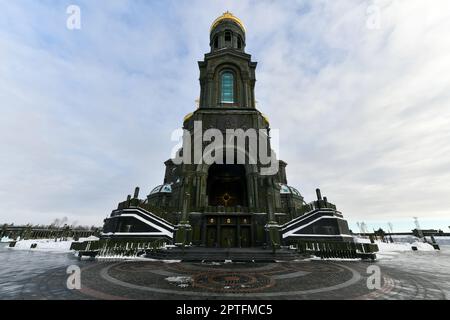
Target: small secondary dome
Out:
[285,189]
[188,116]
[164,188]
[227,16]
[266,118]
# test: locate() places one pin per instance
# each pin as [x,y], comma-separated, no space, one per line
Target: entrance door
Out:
[228,237]
[246,240]
[211,236]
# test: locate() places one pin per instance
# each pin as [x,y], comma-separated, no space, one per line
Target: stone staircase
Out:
[198,254]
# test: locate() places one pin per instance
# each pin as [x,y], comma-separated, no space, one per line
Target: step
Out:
[235,255]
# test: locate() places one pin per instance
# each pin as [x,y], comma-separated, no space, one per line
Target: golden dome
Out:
[227,16]
[188,116]
[265,118]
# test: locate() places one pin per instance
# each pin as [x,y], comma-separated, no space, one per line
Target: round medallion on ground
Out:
[233,282]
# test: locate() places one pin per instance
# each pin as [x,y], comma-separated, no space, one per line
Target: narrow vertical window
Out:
[227,87]
[216,43]
[227,36]
[239,43]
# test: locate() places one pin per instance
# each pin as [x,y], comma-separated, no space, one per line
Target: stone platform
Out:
[201,254]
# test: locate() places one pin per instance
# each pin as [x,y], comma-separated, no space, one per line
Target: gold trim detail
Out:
[227,16]
[188,116]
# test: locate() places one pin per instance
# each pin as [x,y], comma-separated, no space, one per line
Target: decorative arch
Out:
[237,84]
[249,168]
[251,171]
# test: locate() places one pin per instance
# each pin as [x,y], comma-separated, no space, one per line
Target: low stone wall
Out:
[117,247]
[324,249]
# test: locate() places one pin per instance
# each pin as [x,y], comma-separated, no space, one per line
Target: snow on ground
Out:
[6,239]
[398,246]
[387,250]
[211,263]
[314,258]
[442,240]
[115,258]
[43,245]
[180,281]
[125,258]
[389,247]
[384,248]
[91,238]
[49,244]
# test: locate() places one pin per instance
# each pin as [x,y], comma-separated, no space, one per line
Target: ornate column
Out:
[250,190]
[183,228]
[256,190]
[211,90]
[272,227]
[203,182]
[245,94]
[200,189]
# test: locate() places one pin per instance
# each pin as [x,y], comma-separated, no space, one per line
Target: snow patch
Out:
[122,258]
[384,247]
[44,245]
[164,261]
[6,239]
[180,281]
[117,258]
[58,245]
[333,259]
[423,246]
[211,263]
[91,238]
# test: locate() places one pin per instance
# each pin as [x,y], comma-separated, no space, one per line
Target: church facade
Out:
[235,199]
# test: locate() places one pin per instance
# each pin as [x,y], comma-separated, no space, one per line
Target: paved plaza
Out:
[293,280]
[407,275]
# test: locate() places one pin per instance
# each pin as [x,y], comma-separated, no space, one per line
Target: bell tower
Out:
[227,74]
[227,101]
[227,192]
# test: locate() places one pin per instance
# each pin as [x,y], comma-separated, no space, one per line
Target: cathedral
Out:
[233,199]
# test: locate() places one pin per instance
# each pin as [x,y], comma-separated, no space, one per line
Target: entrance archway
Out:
[227,185]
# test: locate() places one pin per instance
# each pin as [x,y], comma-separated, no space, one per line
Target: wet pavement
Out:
[405,275]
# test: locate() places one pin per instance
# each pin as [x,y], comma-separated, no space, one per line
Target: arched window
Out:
[227,87]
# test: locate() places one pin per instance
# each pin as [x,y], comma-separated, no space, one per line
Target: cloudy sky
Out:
[360,91]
